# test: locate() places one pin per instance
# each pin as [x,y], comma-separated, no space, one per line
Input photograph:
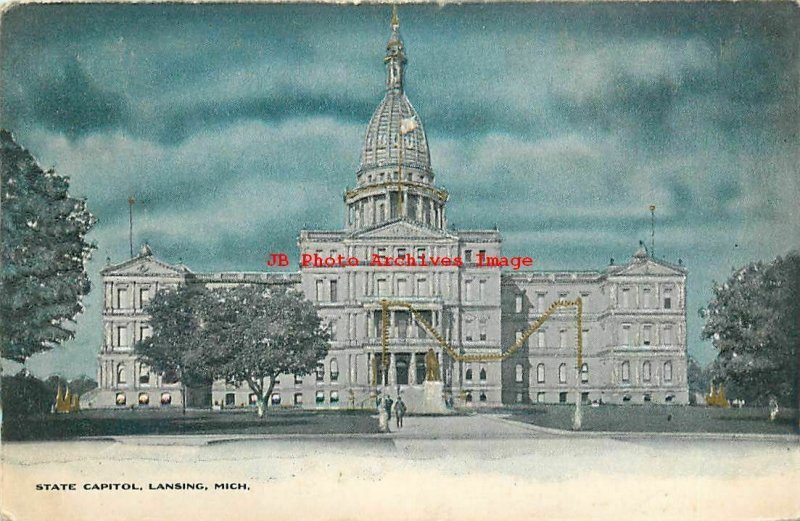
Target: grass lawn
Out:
[659,418]
[117,423]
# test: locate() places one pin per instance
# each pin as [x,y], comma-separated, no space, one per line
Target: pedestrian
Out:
[387,405]
[399,411]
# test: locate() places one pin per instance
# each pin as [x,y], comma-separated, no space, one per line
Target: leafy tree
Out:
[697,377]
[263,333]
[42,263]
[24,394]
[177,348]
[753,320]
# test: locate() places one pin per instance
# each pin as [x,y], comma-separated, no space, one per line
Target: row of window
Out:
[541,376]
[647,300]
[646,336]
[541,305]
[121,338]
[143,399]
[276,399]
[563,395]
[647,371]
[122,298]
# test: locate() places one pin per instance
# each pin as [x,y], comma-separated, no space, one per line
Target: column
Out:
[392,370]
[412,369]
[420,200]
[392,326]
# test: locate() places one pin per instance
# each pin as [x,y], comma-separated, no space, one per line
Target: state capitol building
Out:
[633,322]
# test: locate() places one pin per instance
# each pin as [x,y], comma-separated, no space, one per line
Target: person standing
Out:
[387,405]
[399,411]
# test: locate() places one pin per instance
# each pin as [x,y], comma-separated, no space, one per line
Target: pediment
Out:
[145,266]
[401,230]
[650,267]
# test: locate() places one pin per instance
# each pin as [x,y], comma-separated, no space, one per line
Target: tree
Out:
[25,395]
[177,347]
[245,335]
[44,253]
[697,378]
[263,333]
[753,320]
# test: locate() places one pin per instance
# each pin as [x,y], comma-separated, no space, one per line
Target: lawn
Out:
[119,423]
[659,418]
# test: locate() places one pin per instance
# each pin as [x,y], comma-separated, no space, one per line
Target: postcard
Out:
[448,261]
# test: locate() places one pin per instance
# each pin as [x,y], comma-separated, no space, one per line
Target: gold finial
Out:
[395,19]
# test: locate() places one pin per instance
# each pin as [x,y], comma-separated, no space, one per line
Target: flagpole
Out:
[131,202]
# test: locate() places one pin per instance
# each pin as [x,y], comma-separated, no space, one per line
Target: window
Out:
[562,295]
[668,398]
[667,298]
[585,397]
[468,374]
[540,373]
[144,374]
[647,398]
[482,331]
[540,302]
[519,373]
[122,336]
[122,377]
[275,398]
[562,338]
[540,397]
[626,335]
[585,339]
[540,341]
[562,374]
[401,287]
[319,290]
[166,398]
[646,298]
[626,298]
[320,372]
[666,337]
[122,297]
[401,252]
[468,397]
[468,329]
[145,332]
[298,398]
[482,374]
[467,255]
[382,288]
[120,399]
[319,397]
[144,399]
[481,290]
[144,296]
[626,398]
[468,290]
[482,397]
[334,370]
[230,399]
[422,287]
[646,372]
[518,397]
[298,379]
[667,371]
[647,334]
[562,397]
[626,371]
[518,304]
[584,373]
[334,290]
[252,398]
[334,396]
[518,336]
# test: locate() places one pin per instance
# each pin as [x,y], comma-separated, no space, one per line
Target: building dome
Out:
[393,122]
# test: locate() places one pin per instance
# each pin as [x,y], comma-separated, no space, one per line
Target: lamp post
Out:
[577,418]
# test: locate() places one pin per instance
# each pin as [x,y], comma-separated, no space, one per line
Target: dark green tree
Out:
[263,333]
[697,377]
[753,321]
[44,253]
[177,348]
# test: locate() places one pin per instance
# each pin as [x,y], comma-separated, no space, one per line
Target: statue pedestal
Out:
[432,399]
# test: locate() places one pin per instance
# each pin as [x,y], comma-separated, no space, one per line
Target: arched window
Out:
[482,397]
[121,377]
[562,373]
[646,372]
[334,370]
[144,374]
[468,397]
[518,373]
[667,371]
[468,374]
[585,373]
[626,371]
[483,374]
[540,373]
[320,372]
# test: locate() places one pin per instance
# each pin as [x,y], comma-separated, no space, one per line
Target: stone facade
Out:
[634,322]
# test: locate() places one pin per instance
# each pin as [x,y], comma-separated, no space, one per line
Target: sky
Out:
[236,125]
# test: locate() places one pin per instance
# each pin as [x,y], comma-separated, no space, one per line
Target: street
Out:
[438,468]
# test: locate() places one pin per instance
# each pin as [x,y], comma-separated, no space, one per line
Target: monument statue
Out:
[431,366]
